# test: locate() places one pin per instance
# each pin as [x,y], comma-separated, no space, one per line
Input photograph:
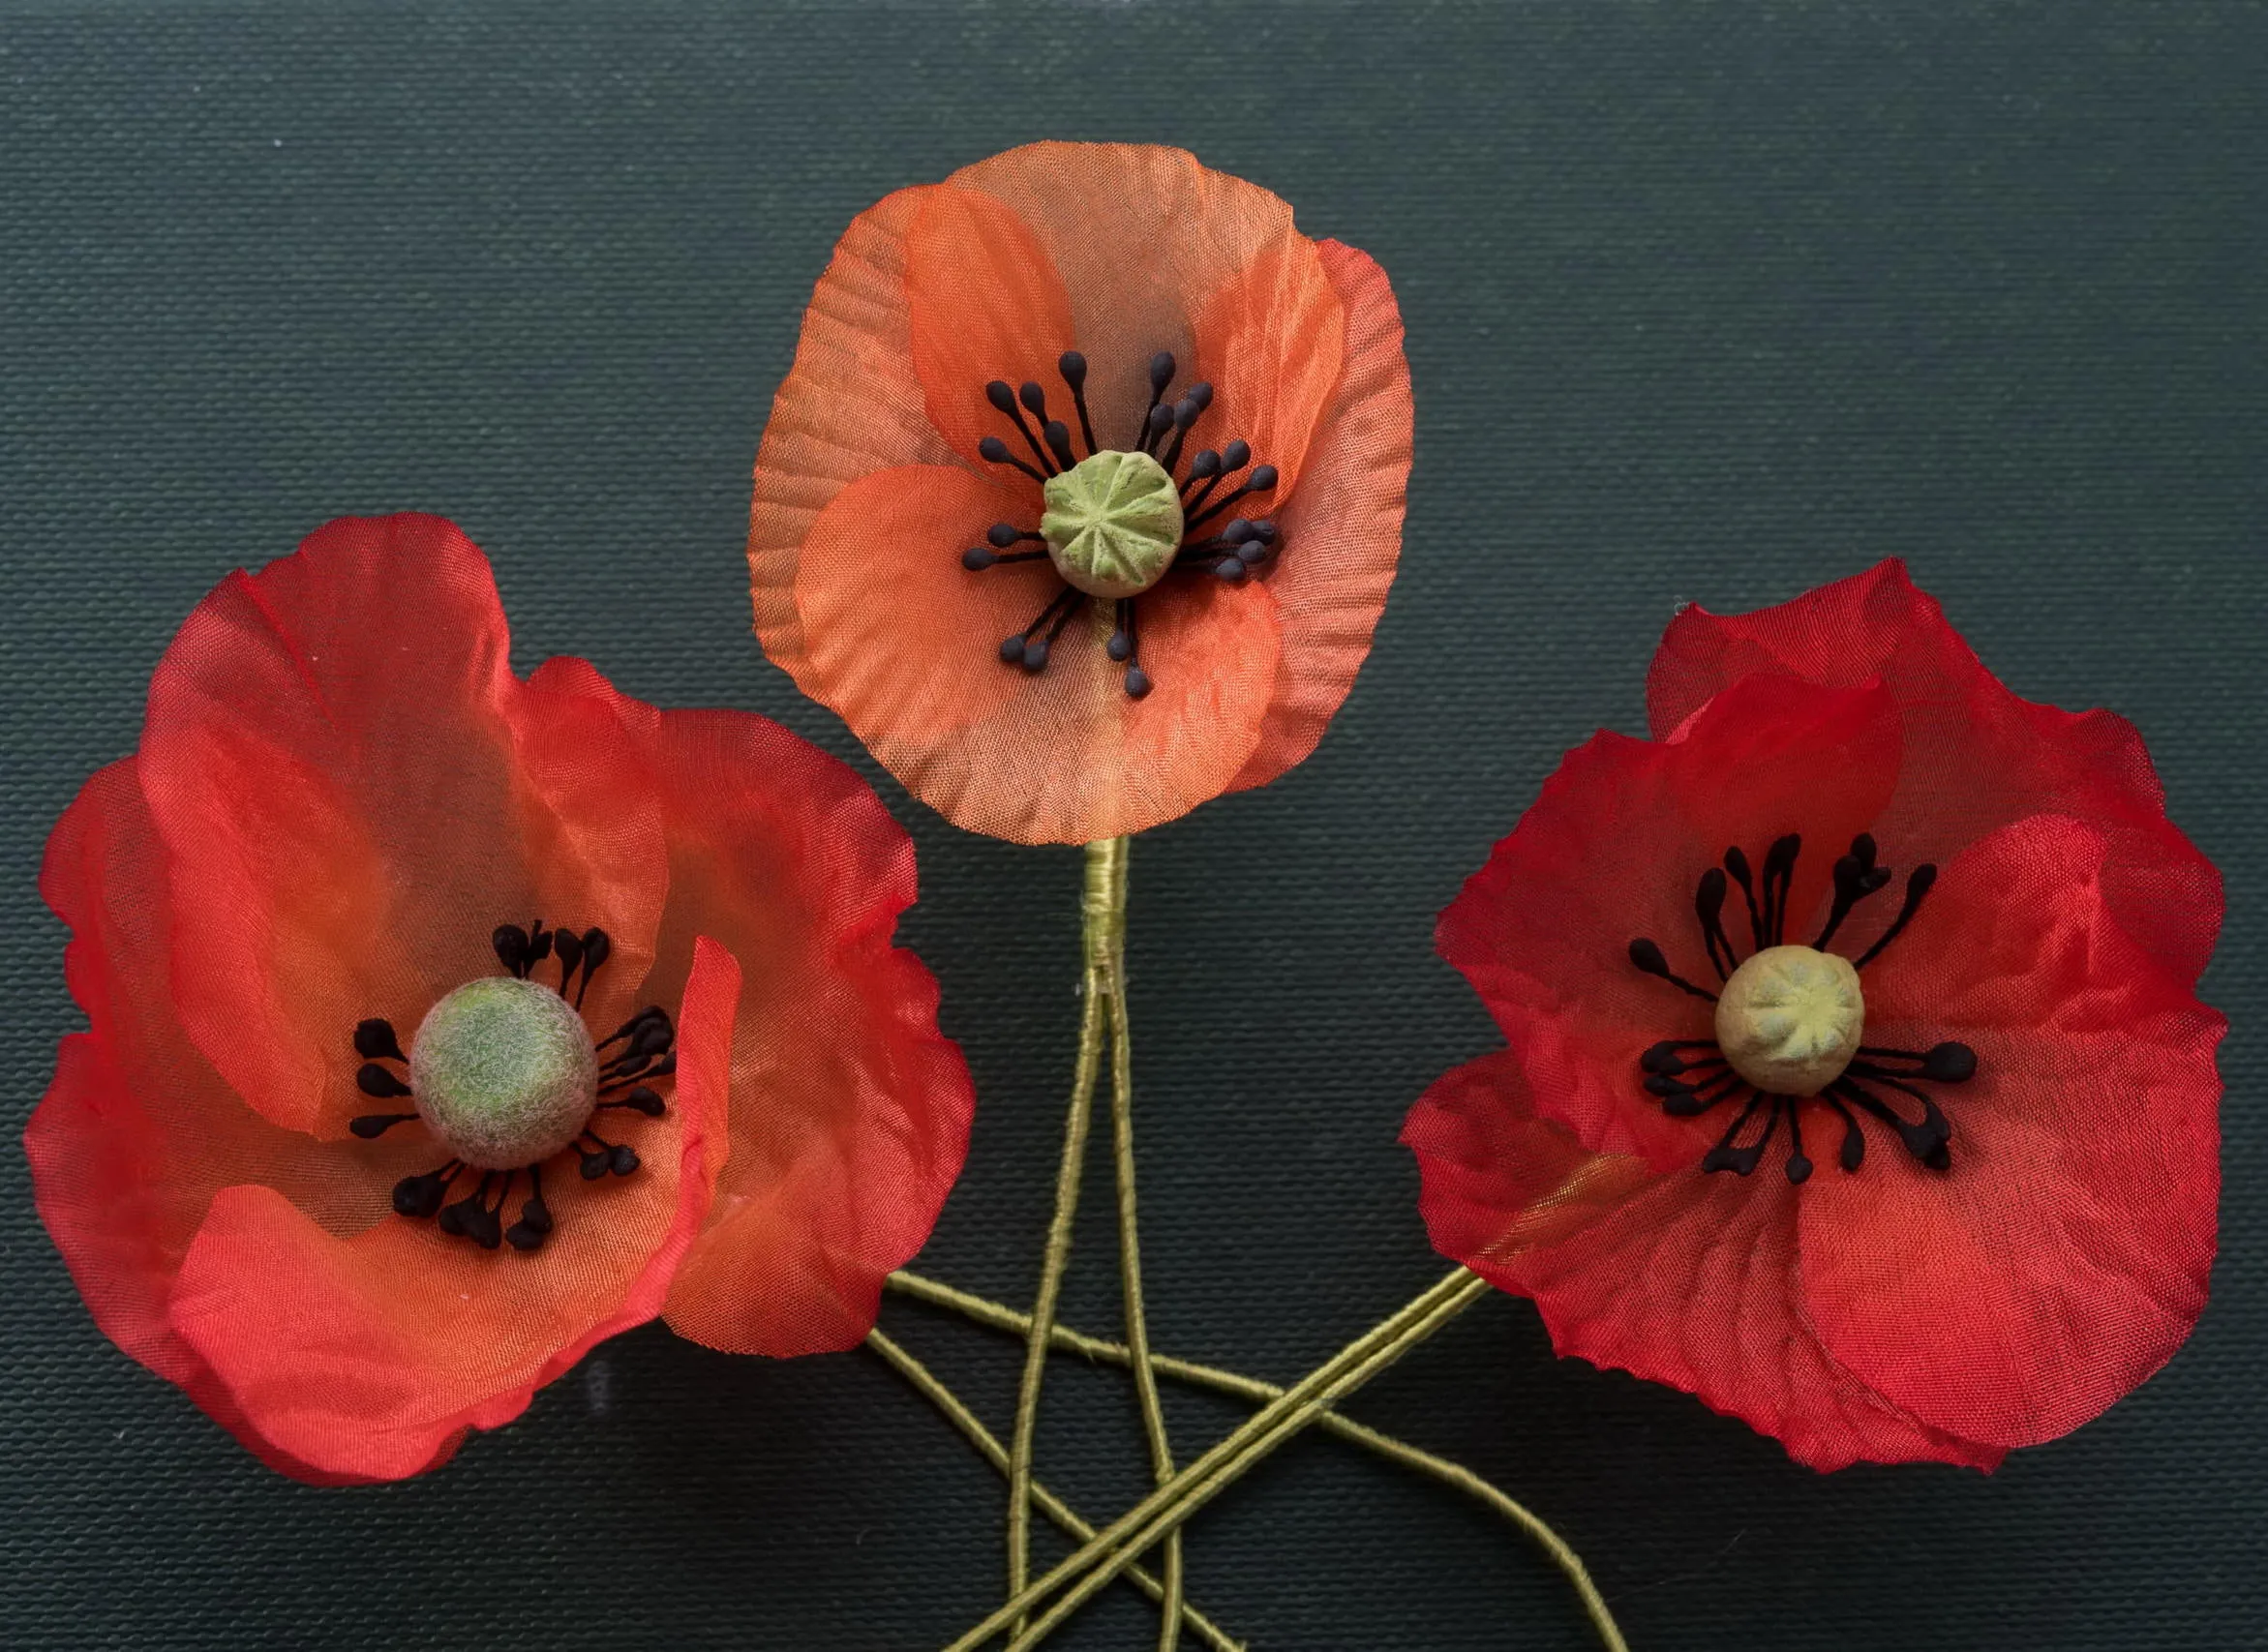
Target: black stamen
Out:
[1018,648]
[977,557]
[1743,1160]
[471,1217]
[510,942]
[1779,873]
[1854,1152]
[1798,1162]
[1203,467]
[1691,1101]
[372,1126]
[1262,480]
[1073,367]
[534,1225]
[569,946]
[596,945]
[1002,399]
[661,1068]
[420,1197]
[1647,956]
[1736,863]
[372,1079]
[1003,534]
[1856,877]
[1161,375]
[1709,906]
[1664,1058]
[639,1100]
[994,451]
[1917,884]
[1058,435]
[1186,414]
[1944,1063]
[1925,1141]
[1160,421]
[375,1037]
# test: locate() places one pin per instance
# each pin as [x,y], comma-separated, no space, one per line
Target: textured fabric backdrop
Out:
[1707,304]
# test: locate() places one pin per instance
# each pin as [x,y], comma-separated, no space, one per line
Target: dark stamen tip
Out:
[1034,399]
[1001,396]
[1119,647]
[1001,534]
[1647,956]
[521,1236]
[1161,420]
[1236,455]
[1058,438]
[1799,1169]
[372,1126]
[1160,370]
[1073,366]
[1033,657]
[1206,463]
[1262,478]
[1238,530]
[1938,1157]
[1949,1064]
[994,450]
[596,1164]
[977,557]
[372,1079]
[1229,568]
[622,1160]
[418,1196]
[1011,650]
[1138,682]
[1662,1058]
[375,1037]
[1202,393]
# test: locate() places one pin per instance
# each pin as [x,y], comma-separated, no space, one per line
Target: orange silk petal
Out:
[983,302]
[354,791]
[1343,525]
[1271,342]
[1141,235]
[367,1356]
[903,644]
[851,404]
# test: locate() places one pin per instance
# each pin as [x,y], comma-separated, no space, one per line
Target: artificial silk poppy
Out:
[1082,498]
[358,1149]
[1857,1082]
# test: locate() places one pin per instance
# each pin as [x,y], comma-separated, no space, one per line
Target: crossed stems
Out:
[1002,1317]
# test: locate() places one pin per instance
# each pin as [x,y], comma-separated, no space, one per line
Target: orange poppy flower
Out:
[1081,501]
[360,1158]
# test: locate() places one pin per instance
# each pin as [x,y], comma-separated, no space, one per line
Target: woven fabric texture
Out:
[1701,305]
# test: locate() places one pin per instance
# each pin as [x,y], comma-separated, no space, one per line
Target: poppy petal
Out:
[367,1355]
[906,655]
[136,1132]
[984,303]
[1140,236]
[2063,1256]
[851,404]
[1271,342]
[1611,853]
[1343,526]
[1684,1278]
[1978,757]
[354,791]
[849,1112]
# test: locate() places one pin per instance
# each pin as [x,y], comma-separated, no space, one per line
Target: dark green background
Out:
[1702,303]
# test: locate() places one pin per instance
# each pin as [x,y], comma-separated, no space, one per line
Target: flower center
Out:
[1789,1019]
[1112,522]
[1116,523]
[504,1072]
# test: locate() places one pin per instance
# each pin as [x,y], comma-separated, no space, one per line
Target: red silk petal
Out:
[1611,852]
[356,790]
[1978,757]
[1684,1278]
[2064,1255]
[1343,526]
[368,1356]
[849,1112]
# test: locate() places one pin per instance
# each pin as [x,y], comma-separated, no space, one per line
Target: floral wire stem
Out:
[1001,1317]
[989,1448]
[1116,852]
[1102,914]
[1144,1525]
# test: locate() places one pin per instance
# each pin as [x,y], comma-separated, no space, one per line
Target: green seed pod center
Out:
[1790,1019]
[1113,524]
[504,1072]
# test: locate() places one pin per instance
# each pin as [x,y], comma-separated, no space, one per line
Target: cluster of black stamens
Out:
[1692,1075]
[1238,546]
[624,1085]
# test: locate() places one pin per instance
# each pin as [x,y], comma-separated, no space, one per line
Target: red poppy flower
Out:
[1924,1174]
[1084,388]
[357,1155]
